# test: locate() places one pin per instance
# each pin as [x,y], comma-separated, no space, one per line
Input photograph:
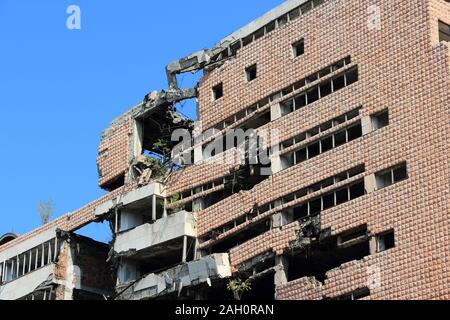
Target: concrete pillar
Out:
[25,263]
[196,252]
[184,258]
[370,183]
[36,260]
[29,262]
[1,272]
[367,126]
[165,208]
[43,256]
[154,207]
[281,275]
[373,246]
[275,112]
[18,265]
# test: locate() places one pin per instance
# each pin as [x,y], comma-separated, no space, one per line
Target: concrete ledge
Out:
[130,198]
[163,230]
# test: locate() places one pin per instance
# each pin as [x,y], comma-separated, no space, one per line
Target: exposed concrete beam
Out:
[141,194]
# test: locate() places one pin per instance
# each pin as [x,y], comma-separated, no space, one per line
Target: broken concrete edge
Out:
[104,208]
[200,59]
[312,282]
[191,274]
[47,276]
[151,103]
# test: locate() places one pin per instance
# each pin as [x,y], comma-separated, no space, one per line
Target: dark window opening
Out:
[444,31]
[342,196]
[301,212]
[298,48]
[301,155]
[355,132]
[386,241]
[356,171]
[357,190]
[315,206]
[300,101]
[251,73]
[164,257]
[391,176]
[352,76]
[340,138]
[115,184]
[323,257]
[314,150]
[327,144]
[380,120]
[352,235]
[325,89]
[313,95]
[339,83]
[384,180]
[218,91]
[400,174]
[328,201]
[294,14]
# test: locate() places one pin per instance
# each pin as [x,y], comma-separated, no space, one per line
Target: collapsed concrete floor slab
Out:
[203,272]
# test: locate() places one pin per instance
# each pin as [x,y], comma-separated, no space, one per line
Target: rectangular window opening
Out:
[251,73]
[380,120]
[218,91]
[386,241]
[298,48]
[444,31]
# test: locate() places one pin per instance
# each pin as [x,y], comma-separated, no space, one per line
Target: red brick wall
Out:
[402,68]
[91,257]
[113,159]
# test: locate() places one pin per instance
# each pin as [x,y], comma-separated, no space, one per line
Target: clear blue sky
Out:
[60,88]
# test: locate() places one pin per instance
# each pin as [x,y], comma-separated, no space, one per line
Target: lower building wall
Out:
[26,285]
[82,267]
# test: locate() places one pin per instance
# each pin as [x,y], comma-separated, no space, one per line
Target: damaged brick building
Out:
[351,99]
